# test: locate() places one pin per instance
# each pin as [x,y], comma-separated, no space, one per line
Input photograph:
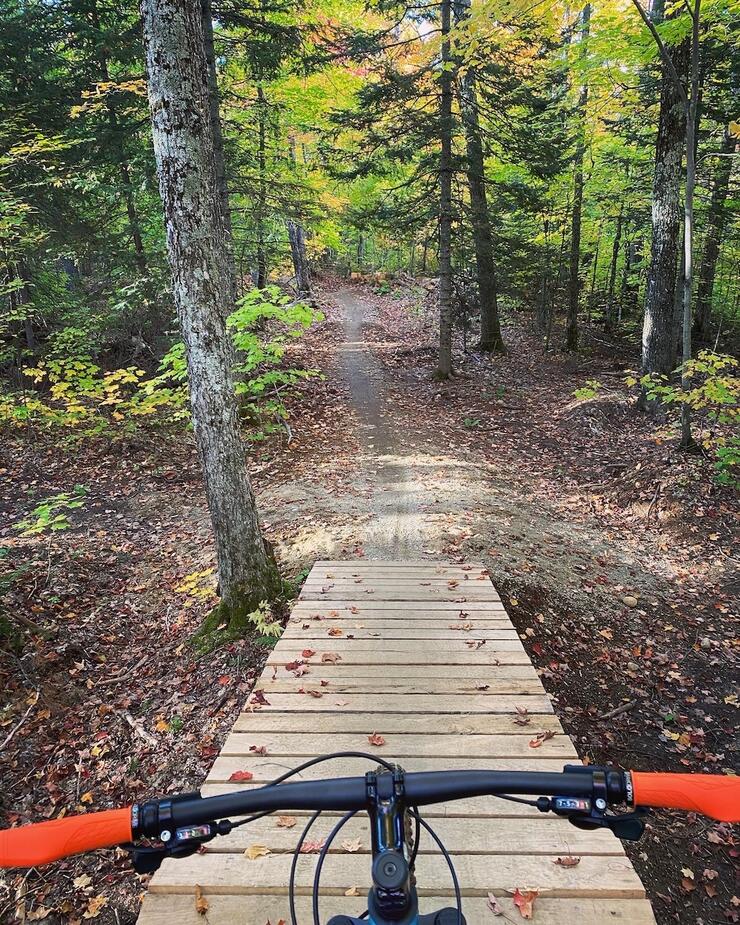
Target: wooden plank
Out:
[329,683]
[267,769]
[410,703]
[514,654]
[254,910]
[396,563]
[234,874]
[548,836]
[313,631]
[388,620]
[399,746]
[367,603]
[396,723]
[416,647]
[399,593]
[340,672]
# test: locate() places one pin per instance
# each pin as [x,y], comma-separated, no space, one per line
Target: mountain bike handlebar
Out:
[716,796]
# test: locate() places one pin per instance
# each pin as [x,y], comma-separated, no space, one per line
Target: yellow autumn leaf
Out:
[256,851]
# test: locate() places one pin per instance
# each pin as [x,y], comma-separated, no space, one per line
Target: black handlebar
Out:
[344,794]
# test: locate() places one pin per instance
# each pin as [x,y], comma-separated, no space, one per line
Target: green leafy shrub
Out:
[50,516]
[714,398]
[589,390]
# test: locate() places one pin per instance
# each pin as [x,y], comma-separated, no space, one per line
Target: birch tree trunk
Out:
[444,366]
[657,332]
[574,284]
[199,260]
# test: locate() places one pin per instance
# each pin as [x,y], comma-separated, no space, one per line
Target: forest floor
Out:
[612,550]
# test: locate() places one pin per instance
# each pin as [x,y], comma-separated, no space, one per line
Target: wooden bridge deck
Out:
[431,662]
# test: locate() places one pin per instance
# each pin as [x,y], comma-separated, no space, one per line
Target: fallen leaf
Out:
[352,846]
[312,847]
[94,907]
[87,797]
[308,653]
[352,891]
[335,631]
[201,903]
[256,851]
[314,693]
[541,737]
[258,749]
[376,739]
[331,658]
[239,776]
[258,696]
[286,822]
[567,861]
[525,902]
[341,703]
[493,906]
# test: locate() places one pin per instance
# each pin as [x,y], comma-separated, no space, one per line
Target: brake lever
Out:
[147,859]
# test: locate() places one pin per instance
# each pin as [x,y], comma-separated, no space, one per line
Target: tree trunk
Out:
[657,330]
[574,283]
[713,238]
[198,257]
[609,316]
[444,366]
[214,112]
[297,239]
[490,326]
[688,226]
[261,187]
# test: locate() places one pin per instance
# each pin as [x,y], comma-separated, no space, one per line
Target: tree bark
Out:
[261,187]
[609,316]
[574,283]
[297,239]
[490,327]
[198,256]
[444,365]
[713,238]
[657,332]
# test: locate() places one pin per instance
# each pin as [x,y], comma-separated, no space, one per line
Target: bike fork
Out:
[443,917]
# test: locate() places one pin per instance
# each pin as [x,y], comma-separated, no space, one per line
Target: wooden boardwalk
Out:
[430,661]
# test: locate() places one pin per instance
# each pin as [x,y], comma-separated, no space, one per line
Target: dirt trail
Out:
[386,460]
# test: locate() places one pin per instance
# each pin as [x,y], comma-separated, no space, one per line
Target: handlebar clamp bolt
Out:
[165,835]
[600,804]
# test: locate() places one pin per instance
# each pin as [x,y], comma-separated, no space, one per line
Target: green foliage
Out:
[50,515]
[714,399]
[261,620]
[589,390]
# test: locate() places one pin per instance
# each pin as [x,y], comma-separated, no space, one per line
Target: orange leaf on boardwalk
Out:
[525,901]
[286,822]
[568,861]
[201,903]
[335,631]
[376,739]
[307,653]
[239,776]
[540,738]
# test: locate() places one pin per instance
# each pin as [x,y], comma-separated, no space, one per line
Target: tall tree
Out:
[490,326]
[713,236]
[574,271]
[446,78]
[197,248]
[657,332]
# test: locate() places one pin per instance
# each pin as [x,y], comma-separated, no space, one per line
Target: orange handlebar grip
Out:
[712,795]
[42,842]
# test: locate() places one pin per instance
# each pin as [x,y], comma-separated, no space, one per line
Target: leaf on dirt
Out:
[258,749]
[94,907]
[312,847]
[308,653]
[525,902]
[331,658]
[201,903]
[239,776]
[256,851]
[493,906]
[567,861]
[335,631]
[87,797]
[352,845]
[82,881]
[541,737]
[286,822]
[687,885]
[376,739]
[606,633]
